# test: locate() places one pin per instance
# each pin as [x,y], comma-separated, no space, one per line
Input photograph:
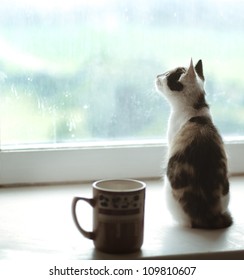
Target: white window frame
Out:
[88,163]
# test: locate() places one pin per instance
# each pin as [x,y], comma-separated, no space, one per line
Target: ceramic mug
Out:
[118,215]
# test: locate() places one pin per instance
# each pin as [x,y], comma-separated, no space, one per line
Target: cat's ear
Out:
[199,69]
[191,71]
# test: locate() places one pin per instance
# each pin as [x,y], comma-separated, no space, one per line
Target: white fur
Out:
[224,203]
[181,109]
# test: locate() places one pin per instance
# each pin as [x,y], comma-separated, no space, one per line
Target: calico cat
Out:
[196,180]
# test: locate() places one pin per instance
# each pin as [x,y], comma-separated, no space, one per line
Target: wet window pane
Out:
[78,71]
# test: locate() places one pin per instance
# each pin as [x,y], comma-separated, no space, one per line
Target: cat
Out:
[196,180]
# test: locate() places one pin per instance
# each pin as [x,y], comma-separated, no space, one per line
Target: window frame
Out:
[89,163]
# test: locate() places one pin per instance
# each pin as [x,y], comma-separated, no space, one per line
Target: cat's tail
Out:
[223,220]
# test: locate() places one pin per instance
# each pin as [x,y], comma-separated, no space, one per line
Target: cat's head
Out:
[183,85]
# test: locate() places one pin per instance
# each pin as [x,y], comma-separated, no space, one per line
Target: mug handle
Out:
[91,201]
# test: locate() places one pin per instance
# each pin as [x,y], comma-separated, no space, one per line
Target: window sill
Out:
[36,222]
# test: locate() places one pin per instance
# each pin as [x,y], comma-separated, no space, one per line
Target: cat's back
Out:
[197,157]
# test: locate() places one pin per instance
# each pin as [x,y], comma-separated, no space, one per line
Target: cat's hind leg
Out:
[223,220]
[174,206]
[205,212]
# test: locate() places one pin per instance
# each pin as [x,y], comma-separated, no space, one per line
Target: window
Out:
[81,74]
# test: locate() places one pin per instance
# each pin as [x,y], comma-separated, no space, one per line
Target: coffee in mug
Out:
[118,215]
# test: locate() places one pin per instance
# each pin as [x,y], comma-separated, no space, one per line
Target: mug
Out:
[118,215]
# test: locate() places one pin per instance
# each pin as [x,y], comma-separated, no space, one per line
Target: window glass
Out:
[79,71]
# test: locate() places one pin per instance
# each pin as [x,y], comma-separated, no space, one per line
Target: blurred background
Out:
[84,71]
